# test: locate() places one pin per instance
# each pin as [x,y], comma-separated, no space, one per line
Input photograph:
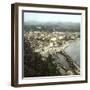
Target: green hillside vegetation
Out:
[59,26]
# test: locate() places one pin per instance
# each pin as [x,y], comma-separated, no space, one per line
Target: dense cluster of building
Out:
[50,43]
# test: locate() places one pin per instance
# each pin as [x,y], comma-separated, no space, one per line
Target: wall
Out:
[5,45]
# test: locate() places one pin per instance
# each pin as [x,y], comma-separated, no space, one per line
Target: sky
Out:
[48,17]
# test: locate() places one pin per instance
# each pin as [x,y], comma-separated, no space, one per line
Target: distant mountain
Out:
[52,26]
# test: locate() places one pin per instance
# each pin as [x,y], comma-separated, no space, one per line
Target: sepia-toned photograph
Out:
[48,44]
[51,44]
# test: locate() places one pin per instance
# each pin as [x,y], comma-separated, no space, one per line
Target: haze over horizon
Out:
[48,17]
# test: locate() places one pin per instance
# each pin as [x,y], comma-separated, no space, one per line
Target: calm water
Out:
[73,50]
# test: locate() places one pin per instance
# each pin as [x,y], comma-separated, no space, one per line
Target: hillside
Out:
[52,26]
